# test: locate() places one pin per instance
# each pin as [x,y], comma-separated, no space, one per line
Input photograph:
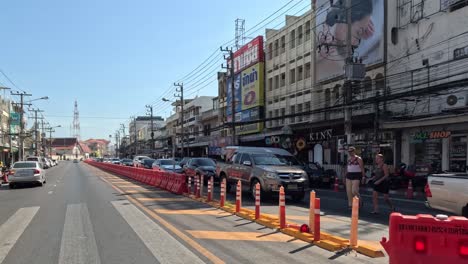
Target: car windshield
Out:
[24,165]
[204,162]
[115,159]
[167,162]
[290,160]
[126,160]
[143,158]
[265,159]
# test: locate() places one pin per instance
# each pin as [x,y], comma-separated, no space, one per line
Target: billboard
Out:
[250,115]
[237,95]
[252,86]
[248,55]
[367,28]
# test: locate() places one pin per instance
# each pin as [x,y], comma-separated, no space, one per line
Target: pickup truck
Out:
[252,166]
[448,192]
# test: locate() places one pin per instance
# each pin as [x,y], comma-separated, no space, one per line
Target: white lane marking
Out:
[78,242]
[165,248]
[50,192]
[55,185]
[12,229]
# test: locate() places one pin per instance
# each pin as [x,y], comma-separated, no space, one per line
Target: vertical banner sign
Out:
[237,96]
[14,122]
[252,86]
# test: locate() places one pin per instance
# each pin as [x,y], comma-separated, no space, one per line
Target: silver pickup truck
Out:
[258,165]
[448,192]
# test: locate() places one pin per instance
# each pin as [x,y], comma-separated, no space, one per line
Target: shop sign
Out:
[321,136]
[431,135]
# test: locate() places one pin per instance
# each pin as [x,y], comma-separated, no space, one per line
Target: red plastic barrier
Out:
[426,239]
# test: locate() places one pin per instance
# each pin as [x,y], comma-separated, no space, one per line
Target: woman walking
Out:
[354,174]
[381,184]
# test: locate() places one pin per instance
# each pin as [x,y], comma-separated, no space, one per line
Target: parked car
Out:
[115,161]
[255,165]
[448,192]
[183,161]
[127,162]
[26,172]
[167,165]
[148,163]
[35,158]
[200,166]
[137,160]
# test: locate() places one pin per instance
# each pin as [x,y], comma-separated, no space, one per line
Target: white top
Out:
[353,165]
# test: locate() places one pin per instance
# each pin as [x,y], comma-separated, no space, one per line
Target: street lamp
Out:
[37,99]
[166,100]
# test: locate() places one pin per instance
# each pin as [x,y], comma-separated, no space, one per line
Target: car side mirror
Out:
[247,163]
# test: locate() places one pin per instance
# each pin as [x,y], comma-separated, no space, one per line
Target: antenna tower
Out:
[76,122]
[240,33]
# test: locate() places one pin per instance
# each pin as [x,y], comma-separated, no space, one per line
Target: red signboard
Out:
[249,54]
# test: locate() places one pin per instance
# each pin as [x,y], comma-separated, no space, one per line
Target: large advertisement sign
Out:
[237,95]
[252,86]
[250,115]
[367,31]
[248,55]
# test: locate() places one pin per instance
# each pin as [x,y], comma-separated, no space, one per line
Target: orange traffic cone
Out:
[409,191]
[335,186]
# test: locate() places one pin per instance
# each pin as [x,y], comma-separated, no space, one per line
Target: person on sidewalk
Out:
[381,184]
[354,175]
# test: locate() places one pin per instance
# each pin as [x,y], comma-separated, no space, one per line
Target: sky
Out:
[116,56]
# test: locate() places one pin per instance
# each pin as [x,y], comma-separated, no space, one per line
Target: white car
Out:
[448,192]
[26,172]
[137,160]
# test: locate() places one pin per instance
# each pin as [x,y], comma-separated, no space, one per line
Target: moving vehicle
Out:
[448,192]
[115,161]
[127,162]
[26,172]
[137,160]
[183,161]
[75,161]
[147,163]
[259,165]
[200,166]
[167,165]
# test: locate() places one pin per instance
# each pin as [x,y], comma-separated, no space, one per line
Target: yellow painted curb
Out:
[369,250]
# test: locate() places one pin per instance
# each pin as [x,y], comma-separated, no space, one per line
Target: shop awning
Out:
[428,121]
[261,136]
[198,144]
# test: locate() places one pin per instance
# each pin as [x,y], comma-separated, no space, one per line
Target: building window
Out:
[283,79]
[307,71]
[270,115]
[277,83]
[283,44]
[283,113]
[327,97]
[379,82]
[299,111]
[300,71]
[270,51]
[299,35]
[276,115]
[292,39]
[292,111]
[307,30]
[276,48]
[306,106]
[270,84]
[207,130]
[367,84]
[336,92]
[292,76]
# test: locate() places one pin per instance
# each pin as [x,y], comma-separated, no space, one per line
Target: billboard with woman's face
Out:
[367,31]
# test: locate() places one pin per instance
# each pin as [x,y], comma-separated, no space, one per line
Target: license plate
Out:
[292,187]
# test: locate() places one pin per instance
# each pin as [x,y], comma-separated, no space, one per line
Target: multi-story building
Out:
[427,105]
[193,128]
[139,129]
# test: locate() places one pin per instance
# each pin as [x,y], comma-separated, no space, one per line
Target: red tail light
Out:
[420,245]
[36,171]
[427,190]
[463,249]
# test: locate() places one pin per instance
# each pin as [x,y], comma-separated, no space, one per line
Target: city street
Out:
[84,215]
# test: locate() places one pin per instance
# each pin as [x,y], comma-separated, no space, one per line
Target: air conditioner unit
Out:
[456,100]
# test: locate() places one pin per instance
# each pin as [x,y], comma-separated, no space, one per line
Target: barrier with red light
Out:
[427,239]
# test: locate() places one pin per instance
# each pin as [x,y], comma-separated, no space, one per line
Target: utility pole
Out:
[36,130]
[230,67]
[180,90]
[122,127]
[117,140]
[50,130]
[21,136]
[149,111]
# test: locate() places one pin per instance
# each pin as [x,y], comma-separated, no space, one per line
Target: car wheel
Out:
[298,197]
[11,186]
[465,211]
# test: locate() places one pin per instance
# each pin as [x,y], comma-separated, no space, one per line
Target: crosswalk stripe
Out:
[78,242]
[13,228]
[165,248]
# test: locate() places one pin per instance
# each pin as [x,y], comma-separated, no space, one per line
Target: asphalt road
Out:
[85,215]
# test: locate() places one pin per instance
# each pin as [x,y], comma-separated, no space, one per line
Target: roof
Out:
[97,141]
[63,142]
[84,147]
